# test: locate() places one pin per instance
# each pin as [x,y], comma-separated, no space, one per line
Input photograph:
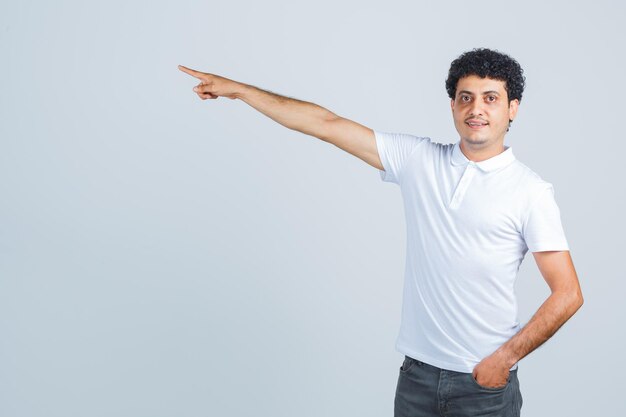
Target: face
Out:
[481,111]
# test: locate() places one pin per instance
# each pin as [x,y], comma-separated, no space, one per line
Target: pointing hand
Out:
[212,86]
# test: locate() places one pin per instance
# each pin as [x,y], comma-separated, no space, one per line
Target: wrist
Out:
[241,90]
[507,357]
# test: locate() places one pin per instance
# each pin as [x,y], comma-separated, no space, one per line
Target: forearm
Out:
[552,314]
[302,116]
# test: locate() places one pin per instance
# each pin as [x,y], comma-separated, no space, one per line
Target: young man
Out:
[472,212]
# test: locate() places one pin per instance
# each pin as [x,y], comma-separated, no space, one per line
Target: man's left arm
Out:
[557,269]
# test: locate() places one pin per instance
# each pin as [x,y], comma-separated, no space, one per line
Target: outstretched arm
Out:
[302,116]
[566,298]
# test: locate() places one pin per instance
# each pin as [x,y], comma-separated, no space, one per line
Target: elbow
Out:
[577,300]
[571,300]
[581,300]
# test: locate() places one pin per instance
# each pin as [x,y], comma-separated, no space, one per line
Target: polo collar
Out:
[501,160]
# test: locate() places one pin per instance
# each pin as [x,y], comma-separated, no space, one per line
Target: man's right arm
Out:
[302,116]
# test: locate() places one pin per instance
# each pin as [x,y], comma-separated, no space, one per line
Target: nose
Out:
[476,108]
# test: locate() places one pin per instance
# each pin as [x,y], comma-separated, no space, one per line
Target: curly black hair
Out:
[490,63]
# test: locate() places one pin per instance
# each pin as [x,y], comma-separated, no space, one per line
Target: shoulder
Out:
[436,147]
[529,184]
[526,176]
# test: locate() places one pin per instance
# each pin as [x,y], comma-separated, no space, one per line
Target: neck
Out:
[481,152]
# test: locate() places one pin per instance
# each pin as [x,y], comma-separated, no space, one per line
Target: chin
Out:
[475,140]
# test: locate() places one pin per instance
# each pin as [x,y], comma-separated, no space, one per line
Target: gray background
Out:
[161,255]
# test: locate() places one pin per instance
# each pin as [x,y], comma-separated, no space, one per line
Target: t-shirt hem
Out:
[437,362]
[547,246]
[385,174]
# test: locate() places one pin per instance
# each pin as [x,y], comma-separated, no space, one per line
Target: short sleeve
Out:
[394,149]
[542,229]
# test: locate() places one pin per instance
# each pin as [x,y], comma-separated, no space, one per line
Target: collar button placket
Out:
[466,178]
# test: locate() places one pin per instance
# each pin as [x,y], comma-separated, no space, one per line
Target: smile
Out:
[476,125]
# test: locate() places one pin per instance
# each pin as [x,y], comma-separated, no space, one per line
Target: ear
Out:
[452,104]
[513,106]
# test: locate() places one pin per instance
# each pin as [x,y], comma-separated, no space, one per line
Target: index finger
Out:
[189,71]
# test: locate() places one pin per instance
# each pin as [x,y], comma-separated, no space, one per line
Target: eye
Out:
[465,99]
[491,99]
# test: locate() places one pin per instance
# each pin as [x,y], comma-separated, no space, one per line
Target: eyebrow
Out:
[484,92]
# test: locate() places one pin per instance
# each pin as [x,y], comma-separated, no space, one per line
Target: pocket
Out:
[407,364]
[495,389]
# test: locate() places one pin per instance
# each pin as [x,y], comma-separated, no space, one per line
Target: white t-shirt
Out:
[469,226]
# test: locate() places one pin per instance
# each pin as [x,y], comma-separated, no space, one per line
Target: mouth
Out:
[476,124]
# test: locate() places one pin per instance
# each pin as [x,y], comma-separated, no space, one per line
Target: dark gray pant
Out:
[425,390]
